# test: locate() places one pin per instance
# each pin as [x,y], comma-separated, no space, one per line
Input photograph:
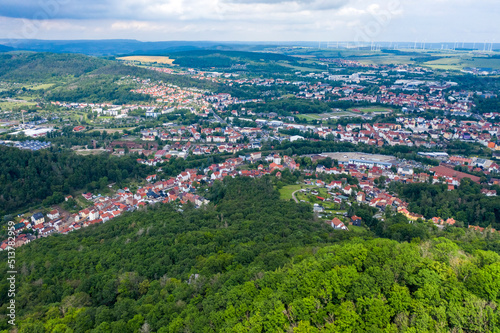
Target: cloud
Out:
[150,10]
[303,4]
[254,19]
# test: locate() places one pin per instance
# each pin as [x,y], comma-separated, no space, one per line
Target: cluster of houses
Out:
[368,191]
[105,208]
[175,189]
[175,97]
[182,189]
[408,132]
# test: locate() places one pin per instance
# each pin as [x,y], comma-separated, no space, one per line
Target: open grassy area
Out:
[9,105]
[308,116]
[286,191]
[149,59]
[370,110]
[39,86]
[300,68]
[458,62]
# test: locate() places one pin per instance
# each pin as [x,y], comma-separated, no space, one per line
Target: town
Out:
[379,109]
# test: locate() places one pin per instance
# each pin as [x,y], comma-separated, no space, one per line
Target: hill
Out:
[26,66]
[30,178]
[251,263]
[81,78]
[110,47]
[225,59]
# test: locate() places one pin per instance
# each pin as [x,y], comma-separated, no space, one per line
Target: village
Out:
[370,172]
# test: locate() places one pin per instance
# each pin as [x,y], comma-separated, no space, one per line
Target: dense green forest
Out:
[30,178]
[466,204]
[23,67]
[97,90]
[290,106]
[485,105]
[252,263]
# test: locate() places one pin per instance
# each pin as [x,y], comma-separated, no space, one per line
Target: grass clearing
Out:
[286,191]
[39,86]
[370,110]
[308,117]
[9,105]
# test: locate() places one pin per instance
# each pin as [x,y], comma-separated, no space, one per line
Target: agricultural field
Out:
[458,62]
[149,59]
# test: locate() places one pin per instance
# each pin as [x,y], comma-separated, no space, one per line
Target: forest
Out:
[97,90]
[466,204]
[24,67]
[32,178]
[250,262]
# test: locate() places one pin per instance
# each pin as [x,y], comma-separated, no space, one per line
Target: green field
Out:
[459,62]
[308,116]
[299,68]
[286,191]
[39,86]
[371,110]
[9,105]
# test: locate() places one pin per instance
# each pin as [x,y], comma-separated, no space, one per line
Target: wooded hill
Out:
[250,262]
[80,78]
[32,178]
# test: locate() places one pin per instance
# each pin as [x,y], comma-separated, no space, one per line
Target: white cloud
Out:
[254,19]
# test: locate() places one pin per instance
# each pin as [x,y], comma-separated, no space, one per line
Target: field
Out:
[286,191]
[149,59]
[370,110]
[458,63]
[39,86]
[299,68]
[308,116]
[326,116]
[9,104]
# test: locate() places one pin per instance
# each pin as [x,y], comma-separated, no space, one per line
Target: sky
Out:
[253,20]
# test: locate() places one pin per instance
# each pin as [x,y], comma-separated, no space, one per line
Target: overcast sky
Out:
[250,20]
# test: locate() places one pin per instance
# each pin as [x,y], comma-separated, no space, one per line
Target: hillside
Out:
[24,67]
[30,178]
[251,263]
[80,78]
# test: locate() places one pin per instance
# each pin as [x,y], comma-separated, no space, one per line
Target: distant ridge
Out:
[115,47]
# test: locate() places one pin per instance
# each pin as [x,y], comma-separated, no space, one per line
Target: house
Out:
[356,220]
[87,196]
[150,178]
[406,171]
[37,218]
[489,193]
[53,214]
[337,224]
[93,215]
[317,208]
[360,197]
